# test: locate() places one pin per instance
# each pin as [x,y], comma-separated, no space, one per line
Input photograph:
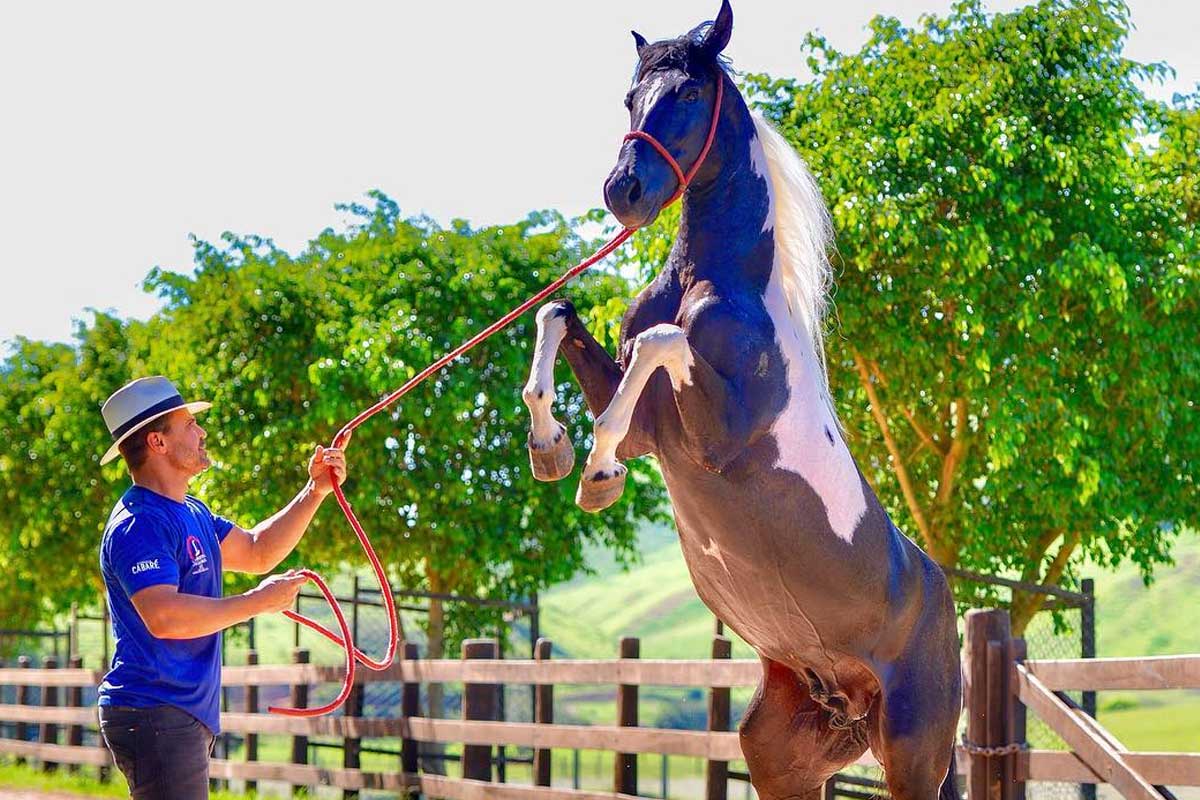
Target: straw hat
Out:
[139,402]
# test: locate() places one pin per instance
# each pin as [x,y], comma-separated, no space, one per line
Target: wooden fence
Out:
[1002,688]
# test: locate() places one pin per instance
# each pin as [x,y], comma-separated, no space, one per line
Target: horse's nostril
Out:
[635,192]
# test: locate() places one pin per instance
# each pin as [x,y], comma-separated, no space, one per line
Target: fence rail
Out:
[1001,688]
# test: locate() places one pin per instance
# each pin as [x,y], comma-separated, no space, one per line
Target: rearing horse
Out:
[721,377]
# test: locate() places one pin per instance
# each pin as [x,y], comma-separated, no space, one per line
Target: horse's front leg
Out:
[716,428]
[559,328]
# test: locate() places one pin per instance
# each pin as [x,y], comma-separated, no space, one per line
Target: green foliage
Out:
[289,349]
[1016,231]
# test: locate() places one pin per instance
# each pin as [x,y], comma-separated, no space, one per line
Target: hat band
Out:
[162,405]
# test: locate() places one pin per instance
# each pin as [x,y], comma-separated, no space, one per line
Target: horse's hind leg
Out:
[912,728]
[787,740]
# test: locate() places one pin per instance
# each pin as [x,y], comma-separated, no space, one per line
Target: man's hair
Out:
[134,449]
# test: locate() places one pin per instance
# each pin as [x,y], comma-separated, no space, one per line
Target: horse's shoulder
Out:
[709,311]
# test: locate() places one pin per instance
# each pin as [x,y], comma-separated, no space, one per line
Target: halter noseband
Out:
[683,179]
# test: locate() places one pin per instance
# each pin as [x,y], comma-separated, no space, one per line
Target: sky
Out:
[126,128]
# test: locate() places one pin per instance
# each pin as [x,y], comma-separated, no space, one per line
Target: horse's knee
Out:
[666,345]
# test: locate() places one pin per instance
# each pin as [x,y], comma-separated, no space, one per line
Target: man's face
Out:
[184,442]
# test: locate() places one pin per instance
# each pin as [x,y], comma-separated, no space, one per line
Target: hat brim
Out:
[114,451]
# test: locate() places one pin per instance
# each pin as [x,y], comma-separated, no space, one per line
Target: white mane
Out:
[803,235]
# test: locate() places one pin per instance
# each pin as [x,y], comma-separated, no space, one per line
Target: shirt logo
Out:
[143,566]
[197,555]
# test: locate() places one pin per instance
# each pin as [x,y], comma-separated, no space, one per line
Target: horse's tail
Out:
[949,790]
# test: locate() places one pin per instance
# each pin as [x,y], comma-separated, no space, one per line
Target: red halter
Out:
[684,180]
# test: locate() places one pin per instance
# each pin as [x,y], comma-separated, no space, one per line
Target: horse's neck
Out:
[726,236]
[722,236]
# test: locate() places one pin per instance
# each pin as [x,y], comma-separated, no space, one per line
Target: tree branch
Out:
[910,495]
[954,456]
[921,431]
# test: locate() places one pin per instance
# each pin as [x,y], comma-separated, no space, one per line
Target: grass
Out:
[26,776]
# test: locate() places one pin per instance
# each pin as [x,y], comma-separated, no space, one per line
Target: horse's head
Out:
[672,99]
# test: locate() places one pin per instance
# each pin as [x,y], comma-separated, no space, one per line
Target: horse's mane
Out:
[803,235]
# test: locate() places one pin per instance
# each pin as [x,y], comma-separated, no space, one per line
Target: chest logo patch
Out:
[197,555]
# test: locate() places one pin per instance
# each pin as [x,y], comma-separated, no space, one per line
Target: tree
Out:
[1014,353]
[288,349]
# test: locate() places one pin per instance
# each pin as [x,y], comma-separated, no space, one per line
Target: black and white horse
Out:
[721,377]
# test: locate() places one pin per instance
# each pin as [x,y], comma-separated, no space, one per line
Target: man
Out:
[161,556]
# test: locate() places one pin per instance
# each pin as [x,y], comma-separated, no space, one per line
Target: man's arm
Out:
[171,614]
[261,548]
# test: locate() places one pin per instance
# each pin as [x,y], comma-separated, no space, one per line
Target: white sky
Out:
[126,127]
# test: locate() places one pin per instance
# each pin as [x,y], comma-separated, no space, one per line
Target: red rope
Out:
[353,654]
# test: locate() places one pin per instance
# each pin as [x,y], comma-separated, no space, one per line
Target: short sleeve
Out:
[141,555]
[221,526]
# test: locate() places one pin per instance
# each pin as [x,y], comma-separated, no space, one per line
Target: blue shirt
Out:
[149,540]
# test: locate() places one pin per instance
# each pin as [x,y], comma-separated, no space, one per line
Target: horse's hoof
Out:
[601,489]
[554,461]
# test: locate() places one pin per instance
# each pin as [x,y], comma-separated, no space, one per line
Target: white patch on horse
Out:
[804,430]
[713,550]
[662,345]
[657,85]
[758,162]
[539,391]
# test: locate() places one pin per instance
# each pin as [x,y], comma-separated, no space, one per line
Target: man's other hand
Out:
[325,466]
[278,592]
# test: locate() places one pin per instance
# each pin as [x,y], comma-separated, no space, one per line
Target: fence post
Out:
[478,703]
[625,777]
[1087,625]
[543,704]
[716,773]
[299,699]
[1016,722]
[75,700]
[352,747]
[251,708]
[410,706]
[987,690]
[24,698]
[49,731]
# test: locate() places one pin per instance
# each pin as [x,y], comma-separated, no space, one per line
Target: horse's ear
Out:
[640,41]
[717,36]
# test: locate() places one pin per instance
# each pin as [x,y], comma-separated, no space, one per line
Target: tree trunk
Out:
[1026,605]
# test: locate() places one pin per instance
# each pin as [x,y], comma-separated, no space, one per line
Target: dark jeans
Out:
[163,751]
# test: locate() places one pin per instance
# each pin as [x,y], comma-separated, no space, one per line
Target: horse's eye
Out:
[629,100]
[691,95]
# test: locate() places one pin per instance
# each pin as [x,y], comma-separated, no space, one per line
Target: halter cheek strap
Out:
[683,179]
